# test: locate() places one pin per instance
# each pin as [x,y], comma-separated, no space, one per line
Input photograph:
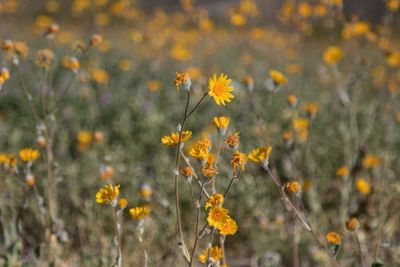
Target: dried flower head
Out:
[95,39]
[187,171]
[352,224]
[44,58]
[233,140]
[209,171]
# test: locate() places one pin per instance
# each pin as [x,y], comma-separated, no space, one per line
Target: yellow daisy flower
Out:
[238,160]
[219,88]
[277,77]
[332,55]
[261,155]
[229,227]
[217,217]
[108,194]
[215,200]
[173,138]
[222,124]
[333,238]
[28,154]
[215,254]
[139,213]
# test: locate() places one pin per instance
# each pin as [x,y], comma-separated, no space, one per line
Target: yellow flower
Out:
[352,224]
[277,77]
[333,238]
[200,149]
[1,82]
[71,63]
[332,55]
[292,101]
[233,140]
[238,160]
[370,161]
[183,78]
[215,254]
[249,82]
[173,138]
[217,217]
[145,190]
[229,227]
[219,89]
[99,76]
[108,194]
[222,124]
[211,158]
[122,203]
[342,171]
[293,187]
[106,172]
[393,5]
[261,155]
[301,127]
[287,137]
[214,201]
[7,45]
[154,85]
[139,213]
[28,154]
[30,180]
[363,186]
[84,139]
[5,73]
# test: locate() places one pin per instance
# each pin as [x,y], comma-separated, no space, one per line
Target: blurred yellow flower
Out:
[154,85]
[352,224]
[95,39]
[122,203]
[139,213]
[99,76]
[293,187]
[220,88]
[277,77]
[363,186]
[332,55]
[393,5]
[108,195]
[370,161]
[71,63]
[333,238]
[173,138]
[28,154]
[342,171]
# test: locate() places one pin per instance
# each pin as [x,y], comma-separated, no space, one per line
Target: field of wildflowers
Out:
[203,134]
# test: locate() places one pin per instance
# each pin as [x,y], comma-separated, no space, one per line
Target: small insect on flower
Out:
[215,200]
[95,39]
[173,138]
[233,140]
[139,213]
[215,254]
[352,224]
[208,171]
[370,161]
[217,217]
[332,55]
[222,124]
[28,154]
[239,160]
[293,187]
[183,79]
[108,194]
[276,79]
[333,238]
[229,227]
[122,203]
[342,172]
[363,186]
[261,155]
[220,88]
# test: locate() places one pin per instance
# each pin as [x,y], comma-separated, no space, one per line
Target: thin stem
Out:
[117,241]
[197,226]
[63,94]
[222,244]
[359,249]
[197,105]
